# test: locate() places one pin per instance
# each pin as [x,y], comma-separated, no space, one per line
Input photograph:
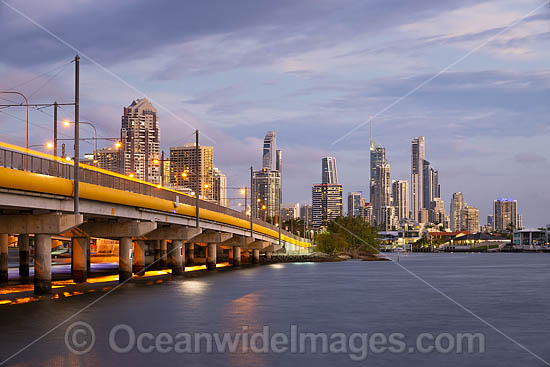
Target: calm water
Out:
[510,291]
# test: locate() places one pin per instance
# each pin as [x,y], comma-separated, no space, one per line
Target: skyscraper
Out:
[400,197]
[329,173]
[140,135]
[183,173]
[219,187]
[377,157]
[430,184]
[326,204]
[457,203]
[266,192]
[279,161]
[305,214]
[436,213]
[382,190]
[354,204]
[505,214]
[469,217]
[109,159]
[418,155]
[269,151]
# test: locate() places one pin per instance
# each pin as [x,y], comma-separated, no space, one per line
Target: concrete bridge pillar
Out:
[255,256]
[190,254]
[139,257]
[163,251]
[268,255]
[42,263]
[176,257]
[156,247]
[236,256]
[81,247]
[24,256]
[88,257]
[211,256]
[124,259]
[4,239]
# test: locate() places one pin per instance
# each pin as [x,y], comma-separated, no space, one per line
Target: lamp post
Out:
[27,118]
[161,161]
[68,123]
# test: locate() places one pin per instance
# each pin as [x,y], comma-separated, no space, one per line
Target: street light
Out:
[68,123]
[27,118]
[48,145]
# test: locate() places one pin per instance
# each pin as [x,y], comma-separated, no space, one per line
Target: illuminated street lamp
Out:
[68,123]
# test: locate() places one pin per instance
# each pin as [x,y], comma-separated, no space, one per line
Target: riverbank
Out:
[319,257]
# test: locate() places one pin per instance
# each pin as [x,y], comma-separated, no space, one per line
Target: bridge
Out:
[37,200]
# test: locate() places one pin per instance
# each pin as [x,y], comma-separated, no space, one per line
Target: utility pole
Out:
[76,134]
[251,201]
[55,129]
[197,179]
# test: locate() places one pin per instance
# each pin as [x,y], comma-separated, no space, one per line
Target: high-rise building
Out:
[436,213]
[490,221]
[469,217]
[269,151]
[329,172]
[387,218]
[140,135]
[305,214]
[505,214]
[219,187]
[290,211]
[354,204]
[367,212]
[382,190]
[266,192]
[400,198]
[457,203]
[326,205]
[109,159]
[430,184]
[183,173]
[279,161]
[377,157]
[418,155]
[519,222]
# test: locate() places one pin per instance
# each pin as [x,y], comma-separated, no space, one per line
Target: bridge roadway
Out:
[36,201]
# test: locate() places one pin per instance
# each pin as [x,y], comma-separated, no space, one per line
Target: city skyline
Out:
[469,119]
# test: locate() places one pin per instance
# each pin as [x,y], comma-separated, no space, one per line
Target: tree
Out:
[330,243]
[350,234]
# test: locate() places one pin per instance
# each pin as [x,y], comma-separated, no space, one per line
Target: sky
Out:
[473,77]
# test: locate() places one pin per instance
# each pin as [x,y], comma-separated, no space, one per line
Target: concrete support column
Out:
[42,263]
[24,255]
[255,256]
[211,256]
[139,257]
[4,239]
[81,246]
[236,256]
[88,257]
[190,254]
[163,251]
[124,259]
[268,255]
[157,252]
[176,257]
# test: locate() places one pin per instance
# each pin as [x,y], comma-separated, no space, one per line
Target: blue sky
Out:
[311,70]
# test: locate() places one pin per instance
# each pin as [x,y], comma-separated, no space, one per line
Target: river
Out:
[502,298]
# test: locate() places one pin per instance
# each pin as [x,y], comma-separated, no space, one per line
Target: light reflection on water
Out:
[512,291]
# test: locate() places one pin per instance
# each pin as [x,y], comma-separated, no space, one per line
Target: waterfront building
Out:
[519,221]
[377,157]
[418,155]
[140,137]
[505,214]
[326,205]
[430,185]
[457,203]
[367,212]
[354,203]
[183,172]
[329,172]
[469,219]
[387,219]
[436,213]
[400,198]
[423,216]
